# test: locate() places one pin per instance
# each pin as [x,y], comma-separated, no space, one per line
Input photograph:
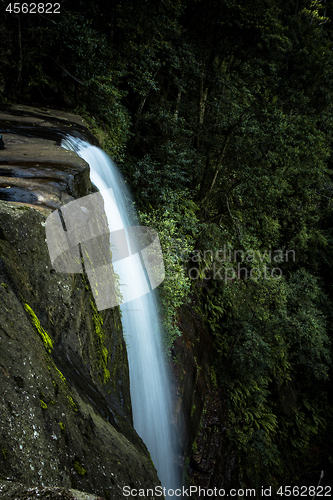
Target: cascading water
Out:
[149,378]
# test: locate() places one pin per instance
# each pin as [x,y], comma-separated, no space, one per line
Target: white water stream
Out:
[149,377]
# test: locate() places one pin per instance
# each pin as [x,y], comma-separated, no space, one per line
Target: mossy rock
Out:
[16,491]
[57,409]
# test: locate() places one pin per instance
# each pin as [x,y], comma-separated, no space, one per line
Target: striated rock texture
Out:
[201,407]
[34,169]
[18,491]
[65,410]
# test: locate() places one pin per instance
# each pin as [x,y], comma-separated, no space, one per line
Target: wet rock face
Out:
[65,411]
[17,491]
[201,407]
[193,355]
[34,169]
[39,172]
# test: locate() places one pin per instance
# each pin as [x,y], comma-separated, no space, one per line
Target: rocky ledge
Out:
[34,168]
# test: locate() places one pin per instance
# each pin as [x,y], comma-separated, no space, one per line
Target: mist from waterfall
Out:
[150,385]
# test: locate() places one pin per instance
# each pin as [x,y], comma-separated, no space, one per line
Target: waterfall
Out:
[149,377]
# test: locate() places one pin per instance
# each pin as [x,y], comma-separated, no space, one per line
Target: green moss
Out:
[192,411]
[85,282]
[56,387]
[103,354]
[79,469]
[23,207]
[62,427]
[60,375]
[4,285]
[43,404]
[47,341]
[4,453]
[72,402]
[66,389]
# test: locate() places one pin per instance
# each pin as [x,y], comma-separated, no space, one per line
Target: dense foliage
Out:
[219,112]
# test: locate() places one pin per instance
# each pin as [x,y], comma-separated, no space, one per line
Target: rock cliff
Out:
[65,410]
